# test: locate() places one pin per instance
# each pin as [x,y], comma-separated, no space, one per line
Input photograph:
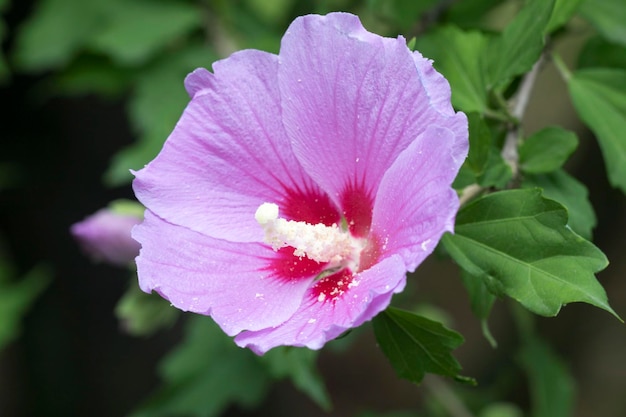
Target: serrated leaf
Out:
[546,150]
[599,96]
[415,345]
[458,56]
[565,189]
[519,46]
[205,374]
[518,242]
[551,385]
[608,17]
[299,365]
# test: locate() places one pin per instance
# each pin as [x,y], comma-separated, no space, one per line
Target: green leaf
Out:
[88,74]
[136,30]
[16,296]
[458,56]
[480,143]
[497,172]
[152,116]
[599,96]
[518,242]
[470,14]
[55,31]
[415,345]
[402,14]
[142,314]
[562,13]
[205,374]
[565,189]
[481,301]
[597,52]
[551,385]
[519,46]
[546,150]
[299,365]
[608,17]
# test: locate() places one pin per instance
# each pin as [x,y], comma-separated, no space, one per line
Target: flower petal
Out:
[317,322]
[353,100]
[229,281]
[415,203]
[228,153]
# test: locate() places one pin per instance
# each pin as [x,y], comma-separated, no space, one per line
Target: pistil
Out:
[318,242]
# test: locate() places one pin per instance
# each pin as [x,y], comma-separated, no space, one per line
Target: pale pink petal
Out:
[229,281]
[317,322]
[228,153]
[415,203]
[352,101]
[439,95]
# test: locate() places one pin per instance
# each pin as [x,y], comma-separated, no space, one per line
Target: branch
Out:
[509,150]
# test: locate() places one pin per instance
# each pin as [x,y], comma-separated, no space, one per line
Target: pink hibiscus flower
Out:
[298,189]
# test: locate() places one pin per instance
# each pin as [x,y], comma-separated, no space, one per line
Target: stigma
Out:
[319,242]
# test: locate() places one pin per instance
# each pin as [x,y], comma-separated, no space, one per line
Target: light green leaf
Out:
[518,242]
[136,30]
[599,96]
[551,385]
[565,189]
[16,296]
[205,374]
[546,150]
[415,345]
[608,17]
[519,46]
[299,365]
[562,13]
[458,56]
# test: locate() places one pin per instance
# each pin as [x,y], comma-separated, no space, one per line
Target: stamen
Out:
[318,242]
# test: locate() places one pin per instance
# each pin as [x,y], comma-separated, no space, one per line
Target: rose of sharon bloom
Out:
[298,189]
[106,236]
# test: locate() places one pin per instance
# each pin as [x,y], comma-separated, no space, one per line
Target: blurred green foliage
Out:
[140,51]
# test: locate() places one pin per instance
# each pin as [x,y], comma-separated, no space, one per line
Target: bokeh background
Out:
[82,80]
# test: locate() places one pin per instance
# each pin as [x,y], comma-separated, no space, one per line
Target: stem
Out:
[446,397]
[566,74]
[469,193]
[509,150]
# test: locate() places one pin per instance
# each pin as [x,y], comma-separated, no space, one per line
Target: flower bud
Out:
[105,235]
